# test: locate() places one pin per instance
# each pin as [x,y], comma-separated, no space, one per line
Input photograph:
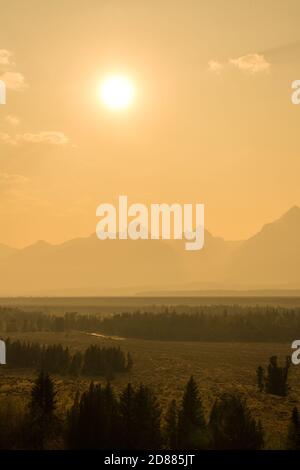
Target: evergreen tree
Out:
[260,378]
[76,363]
[147,419]
[111,419]
[43,395]
[93,422]
[192,429]
[41,422]
[276,382]
[72,436]
[171,426]
[129,428]
[232,426]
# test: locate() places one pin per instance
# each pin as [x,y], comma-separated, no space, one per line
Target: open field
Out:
[217,367]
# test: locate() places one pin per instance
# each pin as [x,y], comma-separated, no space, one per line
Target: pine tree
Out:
[43,395]
[94,421]
[111,419]
[192,429]
[129,429]
[41,420]
[72,436]
[232,426]
[75,364]
[147,419]
[171,426]
[260,378]
[276,382]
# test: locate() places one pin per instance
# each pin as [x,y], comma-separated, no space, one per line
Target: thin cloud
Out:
[251,63]
[215,67]
[14,81]
[6,58]
[46,137]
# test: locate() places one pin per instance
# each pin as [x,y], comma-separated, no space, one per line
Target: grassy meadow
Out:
[167,365]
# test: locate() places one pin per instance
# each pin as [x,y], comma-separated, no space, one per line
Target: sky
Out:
[212,121]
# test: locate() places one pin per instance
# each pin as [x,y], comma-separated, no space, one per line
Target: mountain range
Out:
[87,266]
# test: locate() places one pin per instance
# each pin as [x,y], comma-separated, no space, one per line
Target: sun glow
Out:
[117,92]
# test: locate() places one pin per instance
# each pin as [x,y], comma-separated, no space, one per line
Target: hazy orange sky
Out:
[212,121]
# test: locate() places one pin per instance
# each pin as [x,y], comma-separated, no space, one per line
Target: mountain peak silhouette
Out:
[292,214]
[268,259]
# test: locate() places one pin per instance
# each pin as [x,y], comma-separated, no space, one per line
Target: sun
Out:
[117,92]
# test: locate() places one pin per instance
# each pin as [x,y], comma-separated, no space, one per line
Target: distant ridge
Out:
[268,262]
[6,251]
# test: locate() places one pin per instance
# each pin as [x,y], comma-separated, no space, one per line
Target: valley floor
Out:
[217,367]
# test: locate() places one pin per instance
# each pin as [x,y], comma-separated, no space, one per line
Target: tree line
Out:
[240,325]
[100,418]
[56,359]
[275,381]
[209,323]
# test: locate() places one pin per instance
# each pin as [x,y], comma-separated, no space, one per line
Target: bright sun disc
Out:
[117,92]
